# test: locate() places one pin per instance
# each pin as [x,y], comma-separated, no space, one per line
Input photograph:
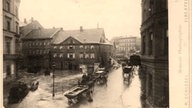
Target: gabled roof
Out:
[27,28]
[84,36]
[42,33]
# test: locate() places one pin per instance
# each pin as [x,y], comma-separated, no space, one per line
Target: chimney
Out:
[32,19]
[25,20]
[81,28]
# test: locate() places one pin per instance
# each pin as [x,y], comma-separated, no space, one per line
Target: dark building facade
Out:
[154,54]
[67,49]
[73,49]
[10,37]
[36,47]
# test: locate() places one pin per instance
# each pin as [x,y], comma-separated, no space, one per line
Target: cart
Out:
[76,93]
[127,73]
[101,77]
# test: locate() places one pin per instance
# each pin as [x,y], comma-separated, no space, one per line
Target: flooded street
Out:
[116,94]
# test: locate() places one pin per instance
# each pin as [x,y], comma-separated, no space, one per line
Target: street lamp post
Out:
[53,66]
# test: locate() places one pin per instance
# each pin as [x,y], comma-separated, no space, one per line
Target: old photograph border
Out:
[180,52]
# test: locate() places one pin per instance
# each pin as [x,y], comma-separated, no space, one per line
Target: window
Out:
[8,24]
[86,46]
[71,55]
[40,43]
[150,44]
[7,6]
[45,51]
[92,47]
[16,11]
[92,55]
[86,55]
[8,44]
[81,55]
[17,28]
[151,7]
[71,47]
[81,46]
[143,45]
[16,46]
[8,69]
[37,52]
[54,55]
[40,51]
[60,55]
[55,47]
[60,47]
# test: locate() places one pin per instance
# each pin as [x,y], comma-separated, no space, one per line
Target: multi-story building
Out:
[67,49]
[10,37]
[36,47]
[125,46]
[72,49]
[154,59]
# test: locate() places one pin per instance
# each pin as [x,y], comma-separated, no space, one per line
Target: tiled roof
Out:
[85,36]
[42,33]
[27,28]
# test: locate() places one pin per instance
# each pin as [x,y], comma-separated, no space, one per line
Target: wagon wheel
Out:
[89,96]
[70,102]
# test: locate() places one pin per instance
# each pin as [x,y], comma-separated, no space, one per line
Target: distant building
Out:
[36,46]
[126,46]
[72,49]
[10,37]
[154,59]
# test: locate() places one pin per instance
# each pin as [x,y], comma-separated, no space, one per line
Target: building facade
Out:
[10,37]
[66,49]
[154,59]
[36,47]
[125,46]
[73,49]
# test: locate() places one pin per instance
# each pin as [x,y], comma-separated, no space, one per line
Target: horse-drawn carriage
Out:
[101,77]
[127,73]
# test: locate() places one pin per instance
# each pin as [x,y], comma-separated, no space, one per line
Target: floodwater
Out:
[115,94]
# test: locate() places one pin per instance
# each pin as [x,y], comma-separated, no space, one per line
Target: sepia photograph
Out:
[85,54]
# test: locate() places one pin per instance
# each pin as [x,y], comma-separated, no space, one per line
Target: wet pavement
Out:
[116,94]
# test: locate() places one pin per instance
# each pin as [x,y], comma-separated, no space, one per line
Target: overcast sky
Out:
[117,17]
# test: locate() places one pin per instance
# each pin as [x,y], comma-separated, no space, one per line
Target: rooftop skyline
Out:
[118,18]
